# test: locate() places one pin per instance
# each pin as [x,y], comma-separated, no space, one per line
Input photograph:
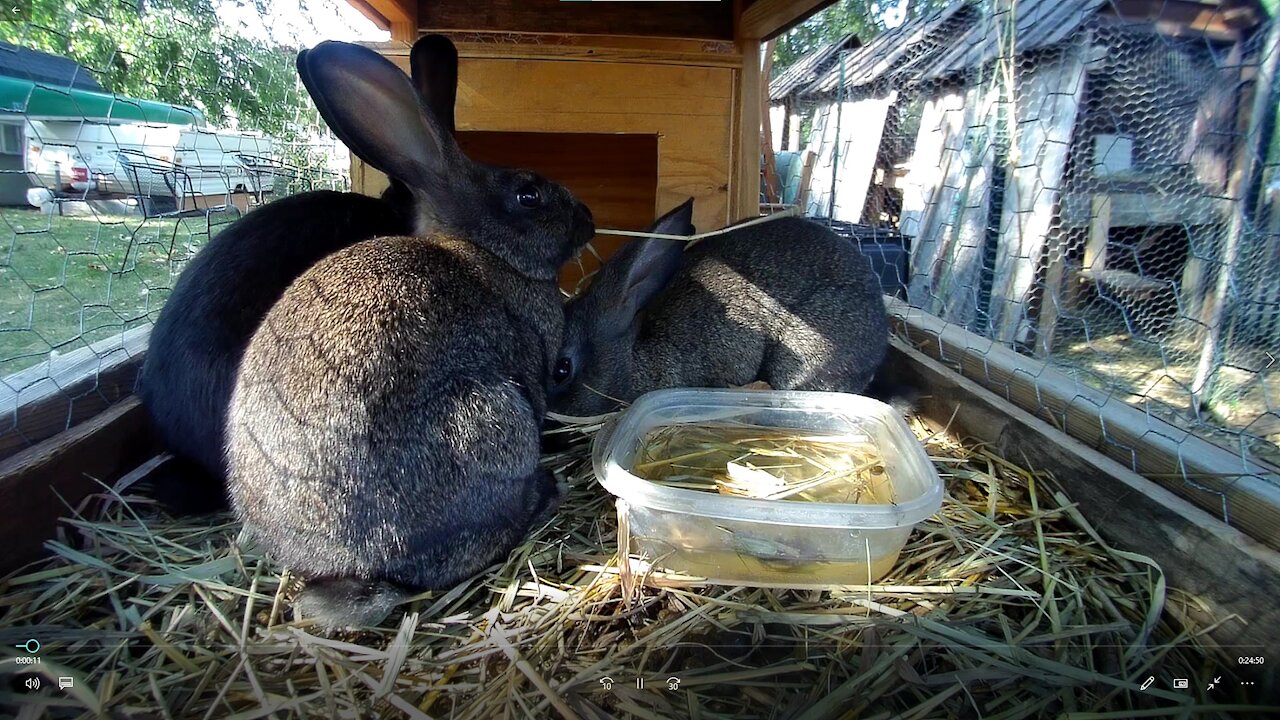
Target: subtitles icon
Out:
[65,683]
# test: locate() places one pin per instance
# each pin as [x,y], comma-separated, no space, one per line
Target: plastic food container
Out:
[735,540]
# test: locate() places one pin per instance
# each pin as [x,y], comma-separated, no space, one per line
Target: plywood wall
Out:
[616,175]
[686,109]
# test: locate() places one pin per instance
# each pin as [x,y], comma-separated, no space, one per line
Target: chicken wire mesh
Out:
[1090,183]
[132,132]
[1081,181]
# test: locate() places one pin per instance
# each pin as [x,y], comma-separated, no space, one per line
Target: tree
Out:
[175,51]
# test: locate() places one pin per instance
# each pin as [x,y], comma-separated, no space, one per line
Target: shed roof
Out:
[807,69]
[1037,24]
[27,64]
[901,50]
[962,35]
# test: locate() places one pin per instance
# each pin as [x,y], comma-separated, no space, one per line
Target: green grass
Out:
[67,282]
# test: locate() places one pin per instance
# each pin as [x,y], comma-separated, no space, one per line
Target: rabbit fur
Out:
[787,302]
[383,435]
[225,290]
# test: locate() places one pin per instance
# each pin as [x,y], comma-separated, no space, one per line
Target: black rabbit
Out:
[227,288]
[383,435]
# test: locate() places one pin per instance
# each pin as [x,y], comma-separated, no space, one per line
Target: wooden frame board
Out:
[59,393]
[43,482]
[716,19]
[1236,575]
[1224,483]
[700,20]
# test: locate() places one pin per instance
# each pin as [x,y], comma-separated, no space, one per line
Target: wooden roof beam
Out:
[398,16]
[767,19]
[1209,18]
[671,20]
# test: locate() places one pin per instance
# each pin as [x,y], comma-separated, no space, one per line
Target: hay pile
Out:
[1004,605]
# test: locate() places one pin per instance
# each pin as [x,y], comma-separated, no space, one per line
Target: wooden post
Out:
[785,141]
[1243,186]
[806,173]
[1196,272]
[400,17]
[795,117]
[1072,289]
[772,188]
[1095,250]
[1053,295]
[744,195]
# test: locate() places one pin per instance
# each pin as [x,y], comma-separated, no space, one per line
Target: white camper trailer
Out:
[99,145]
[137,159]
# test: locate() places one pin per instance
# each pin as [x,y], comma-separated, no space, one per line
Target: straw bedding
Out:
[1005,604]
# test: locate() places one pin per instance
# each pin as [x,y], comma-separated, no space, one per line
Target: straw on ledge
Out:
[1006,604]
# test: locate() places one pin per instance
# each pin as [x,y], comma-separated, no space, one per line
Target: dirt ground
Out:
[1244,404]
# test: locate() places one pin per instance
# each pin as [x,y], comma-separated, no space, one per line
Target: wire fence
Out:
[1090,184]
[131,133]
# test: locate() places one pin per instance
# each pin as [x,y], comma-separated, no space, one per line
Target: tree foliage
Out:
[175,51]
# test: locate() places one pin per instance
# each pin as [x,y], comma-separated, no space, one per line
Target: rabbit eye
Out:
[564,368]
[528,196]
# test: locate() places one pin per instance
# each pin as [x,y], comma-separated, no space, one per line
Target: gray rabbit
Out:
[227,288]
[383,435]
[787,302]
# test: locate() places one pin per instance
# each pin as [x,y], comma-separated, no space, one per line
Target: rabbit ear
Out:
[678,221]
[304,72]
[434,65]
[373,107]
[644,268]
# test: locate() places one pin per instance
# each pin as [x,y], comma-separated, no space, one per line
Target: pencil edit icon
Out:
[1147,683]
